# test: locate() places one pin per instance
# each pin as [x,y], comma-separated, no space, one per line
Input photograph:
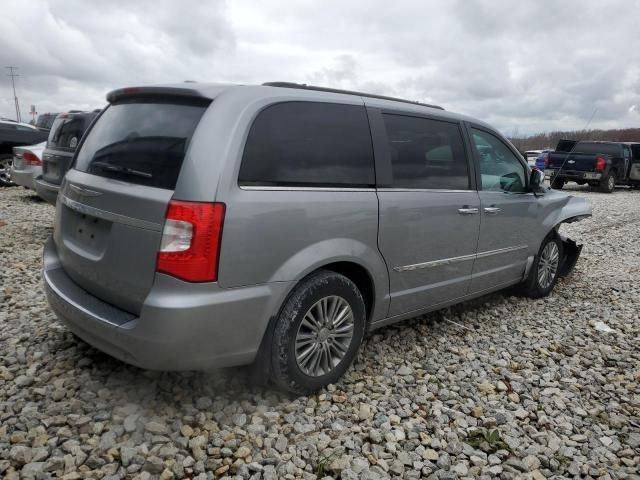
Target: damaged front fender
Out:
[568,209]
[570,254]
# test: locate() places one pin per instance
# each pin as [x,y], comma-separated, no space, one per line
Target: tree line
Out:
[550,139]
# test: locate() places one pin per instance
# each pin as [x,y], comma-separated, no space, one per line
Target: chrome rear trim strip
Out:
[110,216]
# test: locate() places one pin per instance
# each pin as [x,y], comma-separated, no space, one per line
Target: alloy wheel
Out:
[5,171]
[324,336]
[548,264]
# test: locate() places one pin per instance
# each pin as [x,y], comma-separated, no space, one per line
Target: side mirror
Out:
[536,180]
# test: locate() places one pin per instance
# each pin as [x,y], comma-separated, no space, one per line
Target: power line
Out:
[11,74]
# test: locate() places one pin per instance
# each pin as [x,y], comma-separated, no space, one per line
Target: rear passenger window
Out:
[309,144]
[426,154]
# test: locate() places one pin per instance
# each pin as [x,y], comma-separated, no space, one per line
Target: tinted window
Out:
[67,131]
[635,149]
[604,148]
[7,126]
[426,153]
[309,144]
[141,143]
[500,169]
[24,128]
[46,120]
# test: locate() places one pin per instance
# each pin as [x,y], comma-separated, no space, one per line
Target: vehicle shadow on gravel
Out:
[104,375]
[31,199]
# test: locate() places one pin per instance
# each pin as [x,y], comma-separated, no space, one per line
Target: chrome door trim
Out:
[110,216]
[433,190]
[500,251]
[462,258]
[305,189]
[435,263]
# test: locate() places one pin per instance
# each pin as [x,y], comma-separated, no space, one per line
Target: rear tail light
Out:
[29,158]
[190,246]
[546,160]
[601,163]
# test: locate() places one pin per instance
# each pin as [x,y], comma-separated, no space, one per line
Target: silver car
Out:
[27,165]
[209,226]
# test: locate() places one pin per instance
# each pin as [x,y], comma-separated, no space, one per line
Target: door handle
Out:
[492,210]
[466,210]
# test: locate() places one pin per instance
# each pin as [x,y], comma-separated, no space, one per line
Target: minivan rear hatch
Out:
[111,211]
[65,134]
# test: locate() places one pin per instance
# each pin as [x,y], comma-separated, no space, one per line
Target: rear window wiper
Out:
[120,169]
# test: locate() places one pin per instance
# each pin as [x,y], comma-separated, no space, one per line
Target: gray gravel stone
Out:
[561,394]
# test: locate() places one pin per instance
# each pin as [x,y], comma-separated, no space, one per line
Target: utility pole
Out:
[11,74]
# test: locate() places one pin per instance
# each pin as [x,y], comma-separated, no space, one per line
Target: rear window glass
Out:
[309,144]
[46,120]
[604,148]
[66,132]
[142,143]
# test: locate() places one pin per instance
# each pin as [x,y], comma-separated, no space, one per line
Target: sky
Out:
[523,66]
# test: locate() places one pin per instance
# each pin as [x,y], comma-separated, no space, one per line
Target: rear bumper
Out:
[181,326]
[574,175]
[25,177]
[47,191]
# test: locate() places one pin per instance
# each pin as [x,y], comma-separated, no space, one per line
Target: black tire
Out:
[608,183]
[286,371]
[557,183]
[5,170]
[533,286]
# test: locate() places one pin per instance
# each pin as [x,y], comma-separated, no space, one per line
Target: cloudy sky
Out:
[525,66]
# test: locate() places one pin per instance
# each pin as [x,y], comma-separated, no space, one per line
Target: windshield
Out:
[66,132]
[595,148]
[46,120]
[141,142]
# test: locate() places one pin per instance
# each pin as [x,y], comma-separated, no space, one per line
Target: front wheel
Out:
[318,333]
[544,272]
[5,170]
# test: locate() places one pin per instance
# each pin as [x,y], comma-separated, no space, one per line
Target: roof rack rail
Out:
[304,86]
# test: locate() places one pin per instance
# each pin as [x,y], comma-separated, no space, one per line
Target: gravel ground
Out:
[527,389]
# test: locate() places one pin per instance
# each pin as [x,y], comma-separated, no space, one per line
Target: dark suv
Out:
[45,121]
[65,135]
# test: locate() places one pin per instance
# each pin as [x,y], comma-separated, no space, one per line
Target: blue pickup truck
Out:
[602,165]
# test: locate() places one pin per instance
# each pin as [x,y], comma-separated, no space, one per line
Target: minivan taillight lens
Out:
[600,164]
[29,158]
[190,246]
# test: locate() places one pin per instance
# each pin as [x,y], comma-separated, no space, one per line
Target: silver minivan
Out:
[217,225]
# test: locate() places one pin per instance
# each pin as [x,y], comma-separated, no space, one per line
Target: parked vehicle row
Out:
[42,166]
[218,225]
[15,134]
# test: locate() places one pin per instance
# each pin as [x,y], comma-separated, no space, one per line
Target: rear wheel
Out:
[544,272]
[608,183]
[557,183]
[318,333]
[5,170]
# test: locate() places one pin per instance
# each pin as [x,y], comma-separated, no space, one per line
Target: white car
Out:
[27,164]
